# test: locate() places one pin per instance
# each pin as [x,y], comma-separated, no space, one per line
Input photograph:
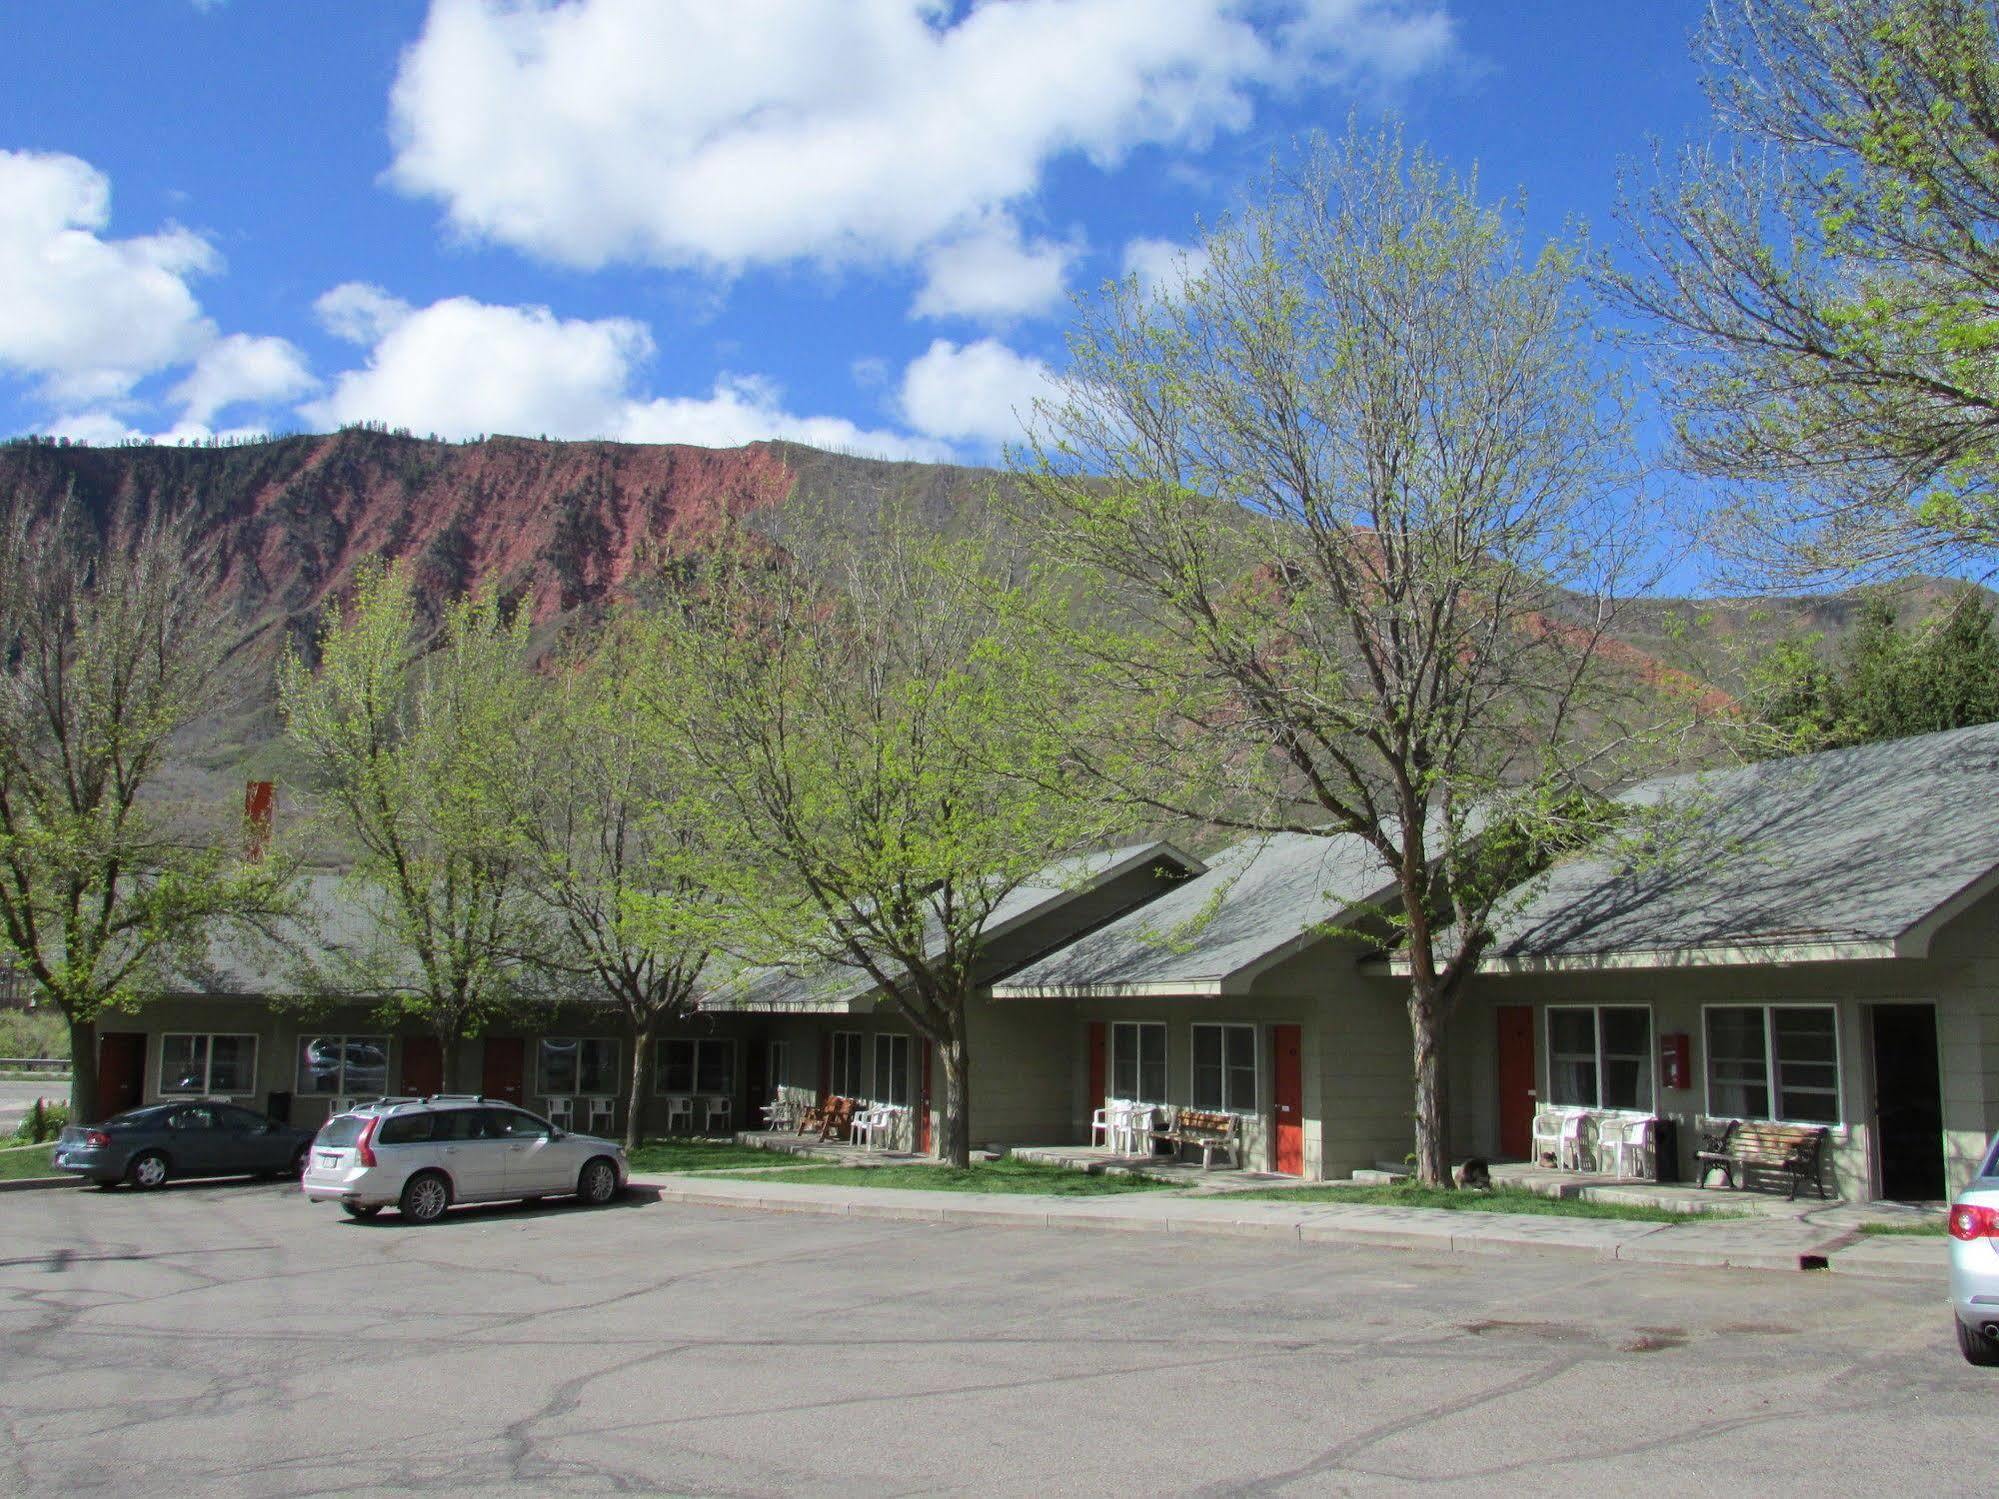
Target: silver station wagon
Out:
[421,1155]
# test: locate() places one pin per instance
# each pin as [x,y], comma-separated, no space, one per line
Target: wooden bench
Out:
[831,1117]
[1793,1150]
[1208,1132]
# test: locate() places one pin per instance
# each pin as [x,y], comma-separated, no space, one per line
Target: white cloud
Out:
[461,368]
[981,392]
[86,315]
[1162,265]
[989,275]
[686,133]
[242,368]
[359,312]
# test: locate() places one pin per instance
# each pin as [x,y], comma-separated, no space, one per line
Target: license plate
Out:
[328,1161]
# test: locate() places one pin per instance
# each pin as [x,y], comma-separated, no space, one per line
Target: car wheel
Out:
[598,1182]
[1975,1346]
[362,1210]
[148,1169]
[300,1160]
[425,1197]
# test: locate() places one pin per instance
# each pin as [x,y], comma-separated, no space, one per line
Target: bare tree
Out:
[1819,285]
[1349,512]
[110,646]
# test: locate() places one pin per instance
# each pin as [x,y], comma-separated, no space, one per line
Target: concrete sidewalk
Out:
[1759,1243]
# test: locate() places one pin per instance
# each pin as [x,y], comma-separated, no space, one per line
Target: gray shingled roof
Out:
[1858,847]
[839,989]
[1259,900]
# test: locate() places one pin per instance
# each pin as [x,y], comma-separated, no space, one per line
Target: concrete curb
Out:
[37,1183]
[1781,1245]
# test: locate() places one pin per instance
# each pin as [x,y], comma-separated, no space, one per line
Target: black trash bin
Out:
[1666,1150]
[279,1107]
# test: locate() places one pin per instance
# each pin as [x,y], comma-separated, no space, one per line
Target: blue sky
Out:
[854,222]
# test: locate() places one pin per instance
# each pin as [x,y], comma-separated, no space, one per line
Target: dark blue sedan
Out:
[148,1146]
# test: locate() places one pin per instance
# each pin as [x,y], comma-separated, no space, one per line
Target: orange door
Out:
[1288,1098]
[1516,1081]
[423,1066]
[501,1075]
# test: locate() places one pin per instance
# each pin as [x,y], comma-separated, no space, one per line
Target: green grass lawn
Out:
[1937,1230]
[31,1161]
[704,1155]
[985,1176]
[1498,1200]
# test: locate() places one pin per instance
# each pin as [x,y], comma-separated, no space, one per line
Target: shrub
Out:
[39,1032]
[44,1122]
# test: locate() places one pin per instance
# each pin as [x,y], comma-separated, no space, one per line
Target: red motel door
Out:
[121,1072]
[1288,1098]
[423,1066]
[501,1077]
[1516,1081]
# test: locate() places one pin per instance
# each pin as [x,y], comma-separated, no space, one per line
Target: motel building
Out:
[1810,942]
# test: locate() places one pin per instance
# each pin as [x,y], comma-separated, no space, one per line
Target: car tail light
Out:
[1969,1221]
[96,1139]
[363,1142]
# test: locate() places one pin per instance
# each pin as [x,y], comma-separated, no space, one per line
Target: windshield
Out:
[340,1131]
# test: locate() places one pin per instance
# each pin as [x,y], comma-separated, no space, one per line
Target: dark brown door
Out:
[506,1058]
[1908,1102]
[423,1067]
[1287,1098]
[121,1072]
[1100,1078]
[1516,1081]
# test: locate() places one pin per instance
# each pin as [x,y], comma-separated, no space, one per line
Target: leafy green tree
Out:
[1820,284]
[616,846]
[1348,515]
[410,747]
[110,646]
[1886,682]
[880,756]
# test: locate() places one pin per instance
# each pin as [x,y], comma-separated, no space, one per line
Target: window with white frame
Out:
[204,1064]
[343,1066]
[1225,1068]
[703,1064]
[1138,1060]
[1600,1056]
[780,1066]
[845,1065]
[891,1070]
[1773,1062]
[569,1065]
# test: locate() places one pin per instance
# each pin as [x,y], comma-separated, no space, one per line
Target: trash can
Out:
[279,1107]
[1666,1151]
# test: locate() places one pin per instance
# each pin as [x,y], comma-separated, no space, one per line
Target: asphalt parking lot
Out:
[230,1339]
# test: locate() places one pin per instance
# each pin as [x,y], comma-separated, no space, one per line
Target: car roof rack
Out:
[454,1098]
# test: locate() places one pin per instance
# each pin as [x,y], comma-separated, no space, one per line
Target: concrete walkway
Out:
[1805,1242]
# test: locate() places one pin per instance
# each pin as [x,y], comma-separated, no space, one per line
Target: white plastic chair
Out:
[603,1115]
[1135,1129]
[721,1114]
[561,1112]
[1101,1127]
[780,1114]
[679,1114]
[1546,1145]
[1631,1151]
[868,1125]
[1578,1142]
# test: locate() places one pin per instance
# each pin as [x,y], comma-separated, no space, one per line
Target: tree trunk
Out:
[954,1135]
[641,1049]
[83,1072]
[450,1062]
[1433,1133]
